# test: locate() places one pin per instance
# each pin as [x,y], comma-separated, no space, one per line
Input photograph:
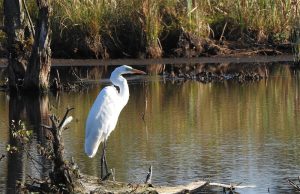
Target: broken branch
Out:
[65,117]
[294,185]
[149,176]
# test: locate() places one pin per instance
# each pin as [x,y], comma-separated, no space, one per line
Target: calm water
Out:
[223,132]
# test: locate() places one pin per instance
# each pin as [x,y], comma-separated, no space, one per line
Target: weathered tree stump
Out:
[29,53]
[19,41]
[38,71]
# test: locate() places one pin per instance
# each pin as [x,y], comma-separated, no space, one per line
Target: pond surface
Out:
[225,132]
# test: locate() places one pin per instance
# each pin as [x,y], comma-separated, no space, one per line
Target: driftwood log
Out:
[93,185]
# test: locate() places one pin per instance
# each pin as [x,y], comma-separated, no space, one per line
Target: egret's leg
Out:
[102,160]
[105,163]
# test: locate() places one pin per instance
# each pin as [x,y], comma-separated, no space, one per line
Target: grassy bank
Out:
[155,28]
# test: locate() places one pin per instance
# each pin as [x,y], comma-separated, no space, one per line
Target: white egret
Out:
[103,115]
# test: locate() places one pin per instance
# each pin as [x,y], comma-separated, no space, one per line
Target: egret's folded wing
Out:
[99,119]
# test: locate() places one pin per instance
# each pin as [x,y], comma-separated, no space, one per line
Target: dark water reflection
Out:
[225,132]
[33,110]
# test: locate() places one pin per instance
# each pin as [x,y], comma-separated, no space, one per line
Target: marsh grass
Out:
[132,27]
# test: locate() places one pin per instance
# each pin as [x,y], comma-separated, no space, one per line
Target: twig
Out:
[35,180]
[222,35]
[74,73]
[52,117]
[106,177]
[149,176]
[57,76]
[294,185]
[46,126]
[33,160]
[29,19]
[64,118]
[33,188]
[113,173]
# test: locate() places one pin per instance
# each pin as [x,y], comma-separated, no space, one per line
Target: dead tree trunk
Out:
[62,175]
[38,71]
[28,64]
[19,41]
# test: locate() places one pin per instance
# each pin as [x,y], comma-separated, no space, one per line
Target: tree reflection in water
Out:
[32,109]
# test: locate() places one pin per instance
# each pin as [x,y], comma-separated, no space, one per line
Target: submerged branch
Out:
[294,184]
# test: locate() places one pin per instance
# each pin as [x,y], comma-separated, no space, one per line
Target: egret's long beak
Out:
[138,71]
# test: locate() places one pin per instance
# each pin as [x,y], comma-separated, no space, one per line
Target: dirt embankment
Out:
[177,43]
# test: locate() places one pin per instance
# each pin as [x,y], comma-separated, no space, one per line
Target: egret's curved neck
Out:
[118,80]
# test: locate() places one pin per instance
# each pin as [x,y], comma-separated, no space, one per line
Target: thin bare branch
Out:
[149,175]
[52,118]
[34,160]
[29,18]
[35,180]
[65,117]
[294,185]
[46,126]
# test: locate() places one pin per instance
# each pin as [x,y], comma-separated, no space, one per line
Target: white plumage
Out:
[103,116]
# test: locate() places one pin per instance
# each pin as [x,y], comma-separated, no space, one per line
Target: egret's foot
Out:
[106,177]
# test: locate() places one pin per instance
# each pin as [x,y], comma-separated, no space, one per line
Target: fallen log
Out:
[93,185]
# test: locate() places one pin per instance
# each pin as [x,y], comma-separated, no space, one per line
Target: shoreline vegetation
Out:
[149,29]
[170,28]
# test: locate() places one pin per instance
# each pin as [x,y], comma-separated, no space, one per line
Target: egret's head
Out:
[125,69]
